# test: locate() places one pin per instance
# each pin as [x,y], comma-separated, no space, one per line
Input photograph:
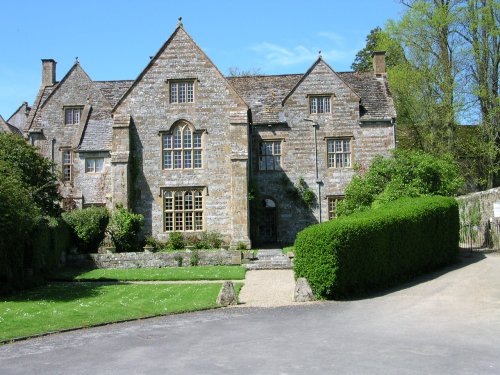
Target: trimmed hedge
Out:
[377,248]
[88,227]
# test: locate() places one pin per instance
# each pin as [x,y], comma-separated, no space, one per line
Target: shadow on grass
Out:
[464,260]
[60,292]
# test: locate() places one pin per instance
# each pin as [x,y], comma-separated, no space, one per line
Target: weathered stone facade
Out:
[182,143]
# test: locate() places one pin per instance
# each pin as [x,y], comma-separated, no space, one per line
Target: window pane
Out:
[178,200]
[182,92]
[320,105]
[327,104]
[167,159]
[269,163]
[76,116]
[331,147]
[99,165]
[187,138]
[197,158]
[179,223]
[312,102]
[187,159]
[169,222]
[198,200]
[189,220]
[198,220]
[169,204]
[277,148]
[190,96]
[167,141]
[197,140]
[177,159]
[173,92]
[90,165]
[277,163]
[177,138]
[69,117]
[188,200]
[67,157]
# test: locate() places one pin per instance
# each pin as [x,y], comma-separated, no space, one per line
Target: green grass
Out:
[287,249]
[153,274]
[62,306]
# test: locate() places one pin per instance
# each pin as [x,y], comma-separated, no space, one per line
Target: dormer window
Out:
[72,115]
[181,92]
[319,104]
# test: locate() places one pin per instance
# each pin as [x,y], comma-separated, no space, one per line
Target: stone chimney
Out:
[48,72]
[379,63]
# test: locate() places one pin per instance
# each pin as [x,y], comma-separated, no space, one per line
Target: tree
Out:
[407,174]
[33,170]
[480,29]
[234,71]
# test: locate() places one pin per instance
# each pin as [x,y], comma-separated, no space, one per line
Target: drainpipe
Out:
[318,181]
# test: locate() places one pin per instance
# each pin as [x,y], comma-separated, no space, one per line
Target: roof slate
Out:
[264,95]
[113,90]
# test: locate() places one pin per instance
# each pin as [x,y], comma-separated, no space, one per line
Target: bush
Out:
[88,227]
[176,241]
[376,248]
[124,228]
[407,174]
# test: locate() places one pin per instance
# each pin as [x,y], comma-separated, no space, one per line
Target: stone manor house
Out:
[194,151]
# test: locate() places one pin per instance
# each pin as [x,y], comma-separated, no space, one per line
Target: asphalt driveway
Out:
[444,323]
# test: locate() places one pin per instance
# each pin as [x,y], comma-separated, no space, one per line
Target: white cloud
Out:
[276,55]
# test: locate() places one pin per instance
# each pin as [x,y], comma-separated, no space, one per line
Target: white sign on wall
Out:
[496,209]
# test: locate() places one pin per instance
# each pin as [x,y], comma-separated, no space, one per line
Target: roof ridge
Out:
[267,75]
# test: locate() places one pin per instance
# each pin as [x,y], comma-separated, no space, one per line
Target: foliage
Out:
[179,260]
[241,246]
[235,71]
[34,173]
[124,228]
[88,227]
[195,258]
[85,304]
[379,247]
[300,192]
[378,40]
[407,174]
[176,241]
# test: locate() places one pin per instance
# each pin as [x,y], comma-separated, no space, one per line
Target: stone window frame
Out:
[170,154]
[94,170]
[186,96]
[313,101]
[72,109]
[331,155]
[182,216]
[67,165]
[332,202]
[274,168]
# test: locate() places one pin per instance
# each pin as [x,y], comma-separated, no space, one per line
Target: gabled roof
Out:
[266,94]
[157,56]
[113,90]
[8,128]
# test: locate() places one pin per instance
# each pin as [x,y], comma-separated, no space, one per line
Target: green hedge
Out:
[88,227]
[379,247]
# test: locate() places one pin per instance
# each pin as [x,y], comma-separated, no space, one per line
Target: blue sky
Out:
[114,39]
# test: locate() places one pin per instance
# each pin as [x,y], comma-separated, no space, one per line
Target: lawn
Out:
[153,274]
[62,306]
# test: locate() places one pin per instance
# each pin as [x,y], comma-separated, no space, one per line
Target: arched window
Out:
[182,148]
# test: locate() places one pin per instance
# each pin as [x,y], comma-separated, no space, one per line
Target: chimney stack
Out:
[379,63]
[48,72]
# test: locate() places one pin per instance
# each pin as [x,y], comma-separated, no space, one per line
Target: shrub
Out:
[195,258]
[376,248]
[88,227]
[124,228]
[213,239]
[178,259]
[407,174]
[176,241]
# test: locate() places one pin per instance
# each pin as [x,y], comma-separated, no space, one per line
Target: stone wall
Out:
[154,260]
[477,208]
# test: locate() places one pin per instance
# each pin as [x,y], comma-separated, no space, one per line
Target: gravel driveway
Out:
[444,323]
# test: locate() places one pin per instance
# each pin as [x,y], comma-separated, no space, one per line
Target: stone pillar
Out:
[239,185]
[120,154]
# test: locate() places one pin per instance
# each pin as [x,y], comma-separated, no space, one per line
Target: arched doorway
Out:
[268,223]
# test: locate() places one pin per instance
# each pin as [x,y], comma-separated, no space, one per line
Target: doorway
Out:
[268,226]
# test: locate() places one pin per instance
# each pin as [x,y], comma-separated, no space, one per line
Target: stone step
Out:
[268,264]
